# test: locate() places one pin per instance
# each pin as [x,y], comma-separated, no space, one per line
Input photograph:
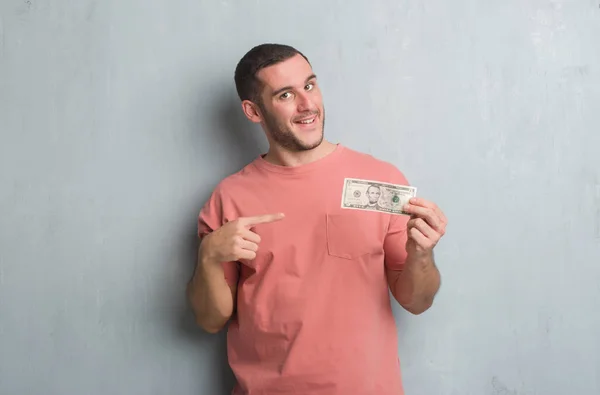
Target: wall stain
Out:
[91,11]
[24,7]
[499,388]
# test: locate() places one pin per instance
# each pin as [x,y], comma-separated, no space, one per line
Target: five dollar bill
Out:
[376,196]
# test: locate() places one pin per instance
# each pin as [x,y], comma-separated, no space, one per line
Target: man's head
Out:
[278,89]
[373,193]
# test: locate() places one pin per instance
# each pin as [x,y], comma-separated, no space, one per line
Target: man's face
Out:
[292,106]
[373,193]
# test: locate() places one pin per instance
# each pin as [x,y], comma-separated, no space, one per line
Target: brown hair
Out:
[246,83]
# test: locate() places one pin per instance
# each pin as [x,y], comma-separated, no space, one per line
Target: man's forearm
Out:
[417,284]
[210,296]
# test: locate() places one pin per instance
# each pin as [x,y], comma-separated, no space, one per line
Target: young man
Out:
[302,281]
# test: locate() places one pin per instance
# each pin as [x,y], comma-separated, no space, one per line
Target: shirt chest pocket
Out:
[353,234]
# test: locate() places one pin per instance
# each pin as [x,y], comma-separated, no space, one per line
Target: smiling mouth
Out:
[307,121]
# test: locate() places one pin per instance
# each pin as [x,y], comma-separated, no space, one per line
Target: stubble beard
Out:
[283,136]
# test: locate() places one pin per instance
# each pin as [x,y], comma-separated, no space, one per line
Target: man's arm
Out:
[211,297]
[213,288]
[415,284]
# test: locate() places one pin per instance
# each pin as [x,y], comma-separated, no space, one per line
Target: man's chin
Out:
[301,140]
[309,144]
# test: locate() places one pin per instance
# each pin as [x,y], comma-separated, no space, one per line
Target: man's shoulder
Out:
[239,179]
[374,164]
[367,158]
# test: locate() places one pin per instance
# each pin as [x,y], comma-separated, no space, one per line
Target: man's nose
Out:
[303,102]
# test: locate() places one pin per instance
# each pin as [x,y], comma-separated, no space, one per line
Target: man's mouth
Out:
[307,121]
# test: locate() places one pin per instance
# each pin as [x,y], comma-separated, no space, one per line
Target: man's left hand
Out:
[426,226]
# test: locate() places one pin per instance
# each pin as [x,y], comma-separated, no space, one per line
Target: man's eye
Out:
[285,95]
[309,87]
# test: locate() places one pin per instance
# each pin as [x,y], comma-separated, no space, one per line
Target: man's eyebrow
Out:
[286,88]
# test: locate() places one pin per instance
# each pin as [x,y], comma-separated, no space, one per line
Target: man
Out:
[303,282]
[373,195]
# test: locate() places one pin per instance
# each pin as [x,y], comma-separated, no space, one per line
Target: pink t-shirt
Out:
[313,313]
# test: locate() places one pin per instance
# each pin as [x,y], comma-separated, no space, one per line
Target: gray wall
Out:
[118,118]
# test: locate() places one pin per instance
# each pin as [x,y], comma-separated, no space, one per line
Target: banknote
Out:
[376,196]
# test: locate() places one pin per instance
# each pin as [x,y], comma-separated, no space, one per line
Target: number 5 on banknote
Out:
[379,196]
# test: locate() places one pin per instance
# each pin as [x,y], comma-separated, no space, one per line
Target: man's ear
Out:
[251,111]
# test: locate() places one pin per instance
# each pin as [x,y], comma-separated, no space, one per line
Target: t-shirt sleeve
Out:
[210,218]
[395,240]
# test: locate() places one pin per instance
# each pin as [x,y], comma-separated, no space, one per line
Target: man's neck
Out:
[282,157]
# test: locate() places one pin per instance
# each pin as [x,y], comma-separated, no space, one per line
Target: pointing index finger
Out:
[262,219]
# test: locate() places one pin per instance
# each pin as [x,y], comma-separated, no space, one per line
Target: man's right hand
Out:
[234,240]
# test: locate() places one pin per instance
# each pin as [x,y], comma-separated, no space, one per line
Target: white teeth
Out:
[307,121]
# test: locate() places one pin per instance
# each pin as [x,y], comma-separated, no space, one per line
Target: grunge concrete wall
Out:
[118,117]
